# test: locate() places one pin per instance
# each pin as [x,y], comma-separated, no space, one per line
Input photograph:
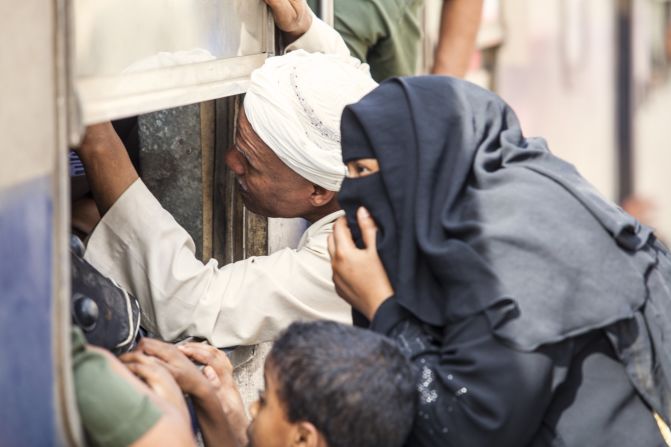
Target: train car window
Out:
[132,57]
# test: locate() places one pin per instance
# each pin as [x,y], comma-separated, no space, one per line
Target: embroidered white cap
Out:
[295,103]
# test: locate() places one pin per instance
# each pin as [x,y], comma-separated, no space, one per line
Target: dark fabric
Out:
[474,217]
[388,315]
[359,319]
[108,315]
[476,391]
[644,341]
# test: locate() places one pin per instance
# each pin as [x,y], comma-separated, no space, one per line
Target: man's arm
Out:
[459,25]
[302,30]
[141,246]
[109,170]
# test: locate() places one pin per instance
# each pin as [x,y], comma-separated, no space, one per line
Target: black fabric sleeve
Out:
[388,315]
[473,390]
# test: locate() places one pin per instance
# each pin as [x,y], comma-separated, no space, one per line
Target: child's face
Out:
[270,426]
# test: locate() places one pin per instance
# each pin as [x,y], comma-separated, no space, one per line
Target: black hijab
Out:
[474,217]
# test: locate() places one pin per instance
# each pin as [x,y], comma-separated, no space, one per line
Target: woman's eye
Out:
[361,169]
[262,397]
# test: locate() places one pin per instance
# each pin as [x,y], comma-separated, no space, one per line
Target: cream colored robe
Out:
[139,245]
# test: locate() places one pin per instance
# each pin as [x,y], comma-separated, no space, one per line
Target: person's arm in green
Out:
[361,25]
[118,409]
[459,25]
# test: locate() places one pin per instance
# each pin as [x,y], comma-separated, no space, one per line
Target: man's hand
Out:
[293,17]
[358,274]
[219,423]
[219,372]
[158,379]
[185,373]
[109,170]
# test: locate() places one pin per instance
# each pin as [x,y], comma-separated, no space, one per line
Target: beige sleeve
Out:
[142,247]
[320,38]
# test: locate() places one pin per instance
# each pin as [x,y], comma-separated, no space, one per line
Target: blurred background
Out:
[592,77]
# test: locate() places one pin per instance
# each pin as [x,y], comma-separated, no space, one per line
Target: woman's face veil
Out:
[371,132]
[476,218]
[404,125]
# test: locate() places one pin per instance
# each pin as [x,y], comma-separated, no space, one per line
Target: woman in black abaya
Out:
[536,312]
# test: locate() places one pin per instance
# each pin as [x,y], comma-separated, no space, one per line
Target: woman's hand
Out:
[358,274]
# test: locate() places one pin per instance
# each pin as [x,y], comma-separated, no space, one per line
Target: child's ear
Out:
[307,435]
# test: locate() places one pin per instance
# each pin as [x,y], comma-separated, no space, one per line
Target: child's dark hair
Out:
[355,386]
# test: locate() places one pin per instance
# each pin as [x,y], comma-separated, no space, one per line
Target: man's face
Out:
[268,186]
[270,426]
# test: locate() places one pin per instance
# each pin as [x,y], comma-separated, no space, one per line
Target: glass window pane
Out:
[120,36]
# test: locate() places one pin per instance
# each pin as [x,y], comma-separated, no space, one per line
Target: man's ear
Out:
[321,196]
[307,435]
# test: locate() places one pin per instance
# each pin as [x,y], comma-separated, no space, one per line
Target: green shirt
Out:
[112,411]
[386,34]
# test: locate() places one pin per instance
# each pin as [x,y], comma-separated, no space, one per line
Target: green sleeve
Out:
[386,34]
[112,411]
[362,24]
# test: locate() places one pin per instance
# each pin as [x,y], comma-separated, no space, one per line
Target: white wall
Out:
[27,91]
[556,69]
[652,138]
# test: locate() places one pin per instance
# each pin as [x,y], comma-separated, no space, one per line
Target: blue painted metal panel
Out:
[26,365]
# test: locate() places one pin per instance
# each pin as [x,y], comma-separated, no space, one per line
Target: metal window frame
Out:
[326,11]
[105,98]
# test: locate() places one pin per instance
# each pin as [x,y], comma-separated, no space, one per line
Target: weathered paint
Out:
[26,366]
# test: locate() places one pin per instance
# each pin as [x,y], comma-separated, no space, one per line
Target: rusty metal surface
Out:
[207,140]
[237,233]
[171,165]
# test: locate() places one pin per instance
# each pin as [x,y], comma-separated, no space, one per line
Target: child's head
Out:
[329,384]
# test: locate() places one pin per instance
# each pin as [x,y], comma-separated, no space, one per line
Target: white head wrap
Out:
[295,103]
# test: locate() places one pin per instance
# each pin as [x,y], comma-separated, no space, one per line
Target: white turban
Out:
[295,103]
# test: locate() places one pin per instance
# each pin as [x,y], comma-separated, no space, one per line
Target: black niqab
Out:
[474,217]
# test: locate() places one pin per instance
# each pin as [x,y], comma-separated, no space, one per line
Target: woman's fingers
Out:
[342,236]
[367,227]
